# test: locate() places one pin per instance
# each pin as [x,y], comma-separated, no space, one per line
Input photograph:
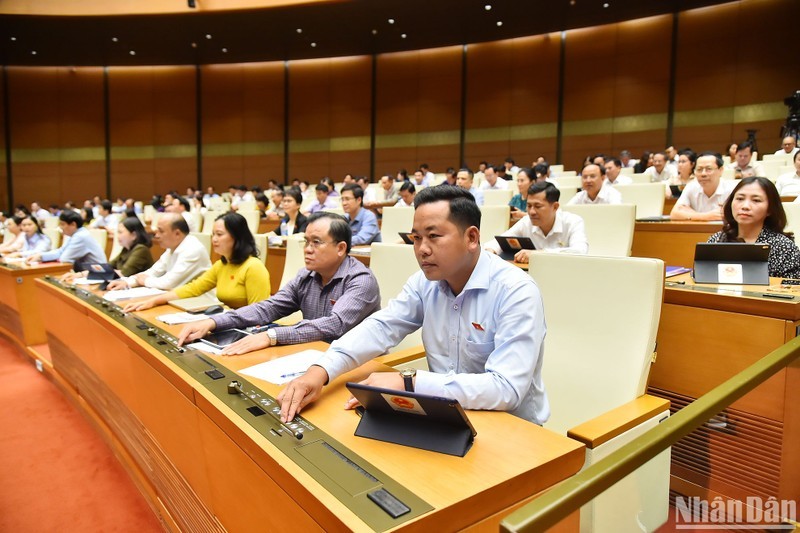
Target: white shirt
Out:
[499,185]
[41,213]
[109,222]
[484,346]
[754,167]
[694,197]
[369,195]
[566,236]
[607,195]
[621,180]
[788,184]
[664,175]
[790,154]
[176,267]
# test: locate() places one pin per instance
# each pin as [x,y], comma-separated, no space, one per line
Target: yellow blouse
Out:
[237,285]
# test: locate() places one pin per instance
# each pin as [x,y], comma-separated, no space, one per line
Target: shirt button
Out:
[453,338]
[455,307]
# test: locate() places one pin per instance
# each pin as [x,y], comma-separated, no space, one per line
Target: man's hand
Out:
[250,343]
[35,258]
[301,392]
[384,380]
[195,330]
[523,256]
[140,278]
[118,284]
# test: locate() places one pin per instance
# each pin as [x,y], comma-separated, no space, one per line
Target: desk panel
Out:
[211,468]
[672,242]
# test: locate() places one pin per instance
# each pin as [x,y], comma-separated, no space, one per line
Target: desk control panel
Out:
[381,502]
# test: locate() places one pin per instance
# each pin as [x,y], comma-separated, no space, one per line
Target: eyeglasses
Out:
[705,169]
[316,243]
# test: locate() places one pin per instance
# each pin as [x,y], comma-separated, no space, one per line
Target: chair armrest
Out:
[402,356]
[613,423]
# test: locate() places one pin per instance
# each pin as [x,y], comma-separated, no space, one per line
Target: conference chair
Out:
[566,195]
[116,247]
[567,182]
[626,171]
[497,197]
[439,178]
[337,210]
[477,179]
[50,222]
[204,238]
[208,221]
[197,216]
[262,246]
[556,169]
[294,262]
[246,205]
[494,221]
[149,210]
[392,264]
[792,218]
[253,219]
[728,174]
[396,220]
[602,316]
[154,220]
[772,168]
[609,228]
[53,233]
[569,174]
[100,236]
[308,199]
[640,177]
[647,197]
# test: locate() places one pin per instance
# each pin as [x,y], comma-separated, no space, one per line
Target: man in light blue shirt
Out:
[482,321]
[80,248]
[363,222]
[464,180]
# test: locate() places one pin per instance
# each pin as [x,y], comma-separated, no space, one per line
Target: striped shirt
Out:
[328,312]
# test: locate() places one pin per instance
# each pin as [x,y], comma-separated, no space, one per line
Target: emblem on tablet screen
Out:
[403,403]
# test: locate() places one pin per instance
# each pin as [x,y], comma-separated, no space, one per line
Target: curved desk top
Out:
[510,461]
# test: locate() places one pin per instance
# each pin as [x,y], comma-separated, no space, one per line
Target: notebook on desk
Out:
[196,304]
[731,262]
[413,419]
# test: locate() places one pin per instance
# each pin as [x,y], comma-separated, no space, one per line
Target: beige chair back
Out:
[647,197]
[641,177]
[100,236]
[204,238]
[498,197]
[116,247]
[567,182]
[262,246]
[392,265]
[53,233]
[208,221]
[294,258]
[246,205]
[396,220]
[609,228]
[253,219]
[49,222]
[494,221]
[792,218]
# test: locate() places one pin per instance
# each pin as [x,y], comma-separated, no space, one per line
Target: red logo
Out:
[402,403]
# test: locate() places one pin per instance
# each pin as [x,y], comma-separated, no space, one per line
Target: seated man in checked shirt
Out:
[334,291]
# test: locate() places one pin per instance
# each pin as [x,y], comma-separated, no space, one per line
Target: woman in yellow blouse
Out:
[239,276]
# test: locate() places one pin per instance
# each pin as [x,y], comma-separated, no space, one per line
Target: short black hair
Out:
[601,167]
[551,192]
[179,223]
[322,187]
[358,192]
[339,230]
[493,167]
[244,244]
[540,168]
[464,211]
[617,162]
[408,186]
[184,202]
[134,225]
[107,205]
[468,171]
[71,217]
[295,194]
[715,155]
[744,145]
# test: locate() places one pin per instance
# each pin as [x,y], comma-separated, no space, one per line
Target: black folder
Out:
[412,419]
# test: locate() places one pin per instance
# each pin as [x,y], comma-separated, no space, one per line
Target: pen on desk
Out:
[292,374]
[781,296]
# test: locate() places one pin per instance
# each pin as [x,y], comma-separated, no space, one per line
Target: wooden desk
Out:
[704,338]
[203,467]
[671,241]
[20,316]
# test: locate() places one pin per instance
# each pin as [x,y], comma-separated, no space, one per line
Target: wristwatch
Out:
[273,337]
[408,378]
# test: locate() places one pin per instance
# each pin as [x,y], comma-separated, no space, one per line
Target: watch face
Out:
[408,373]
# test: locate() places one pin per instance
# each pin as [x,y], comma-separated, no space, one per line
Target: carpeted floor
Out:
[56,474]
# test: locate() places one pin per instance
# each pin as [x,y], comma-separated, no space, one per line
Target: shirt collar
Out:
[480,277]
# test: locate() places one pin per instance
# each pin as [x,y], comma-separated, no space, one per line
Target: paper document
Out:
[203,347]
[180,318]
[675,270]
[138,292]
[87,281]
[283,369]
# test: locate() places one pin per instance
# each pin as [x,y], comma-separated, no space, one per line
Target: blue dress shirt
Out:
[37,244]
[365,227]
[81,247]
[484,346]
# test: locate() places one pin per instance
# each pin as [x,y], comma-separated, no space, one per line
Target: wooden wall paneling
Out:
[330,106]
[4,161]
[243,119]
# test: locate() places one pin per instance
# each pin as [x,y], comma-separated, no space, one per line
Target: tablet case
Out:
[752,257]
[511,245]
[412,419]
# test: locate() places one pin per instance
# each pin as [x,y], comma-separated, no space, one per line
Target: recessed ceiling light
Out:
[374,32]
[208,36]
[114,39]
[403,35]
[299,30]
[194,45]
[488,7]
[224,50]
[33,52]
[572,2]
[499,23]
[391,21]
[606,5]
[313,45]
[13,38]
[132,52]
